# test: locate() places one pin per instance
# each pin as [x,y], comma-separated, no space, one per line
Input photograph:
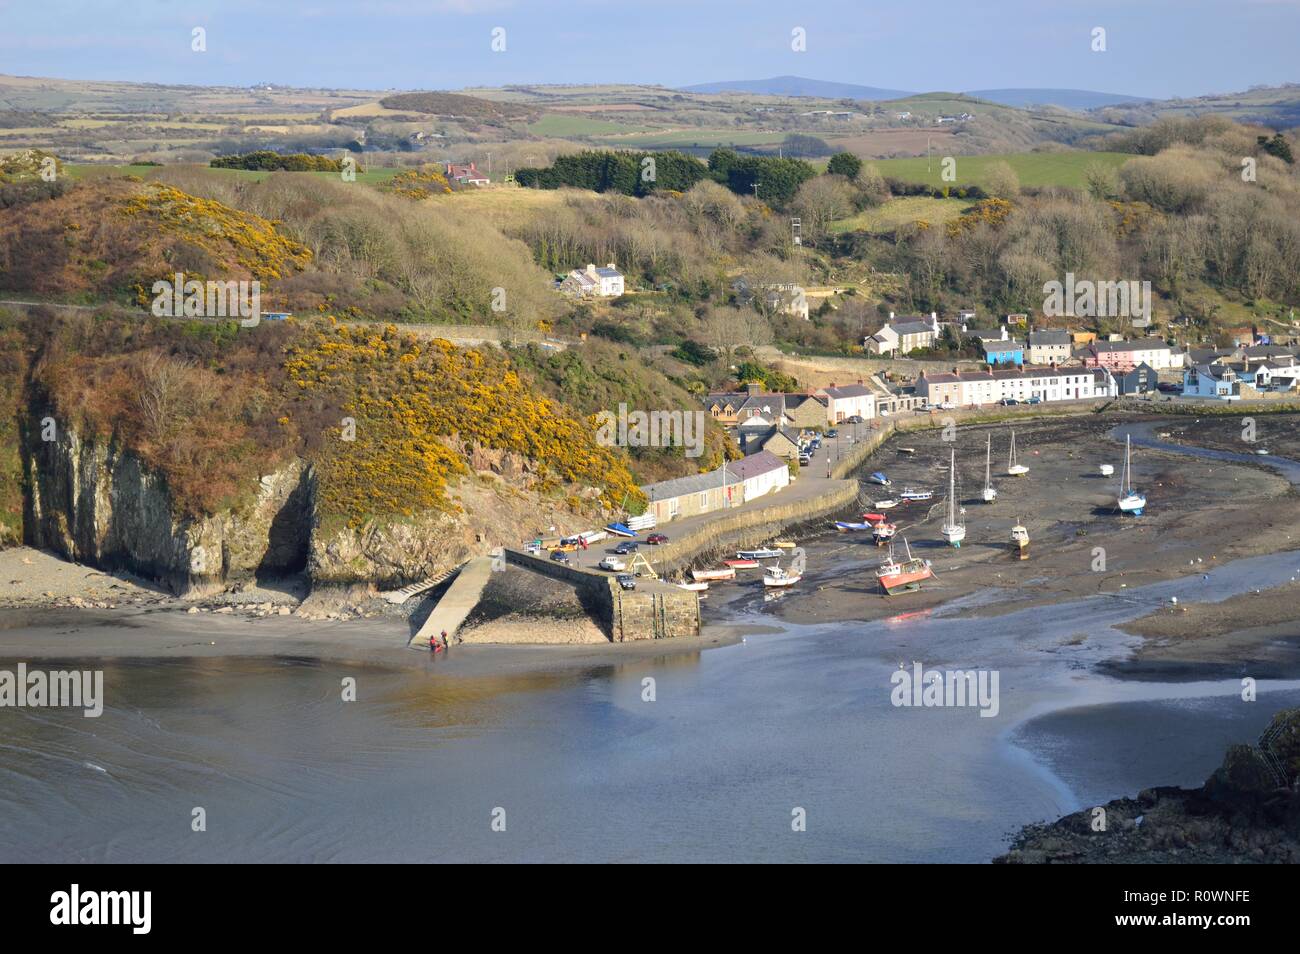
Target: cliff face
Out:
[97,504]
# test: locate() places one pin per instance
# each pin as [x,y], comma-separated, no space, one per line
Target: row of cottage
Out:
[900,336]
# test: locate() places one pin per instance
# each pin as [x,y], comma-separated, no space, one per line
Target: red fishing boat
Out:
[897,577]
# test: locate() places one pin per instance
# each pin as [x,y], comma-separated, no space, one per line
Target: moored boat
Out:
[1130,501]
[874,518]
[774,576]
[693,586]
[888,503]
[916,496]
[989,493]
[619,529]
[741,564]
[721,573]
[784,544]
[1020,539]
[844,525]
[898,576]
[1014,467]
[763,553]
[953,531]
[879,478]
[1107,470]
[882,533]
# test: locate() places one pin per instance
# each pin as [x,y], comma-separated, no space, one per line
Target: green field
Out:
[901,211]
[92,170]
[704,138]
[1035,169]
[561,126]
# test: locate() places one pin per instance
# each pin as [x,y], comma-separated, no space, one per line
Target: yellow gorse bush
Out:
[258,245]
[418,406]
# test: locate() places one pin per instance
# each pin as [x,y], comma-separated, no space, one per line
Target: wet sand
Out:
[1199,515]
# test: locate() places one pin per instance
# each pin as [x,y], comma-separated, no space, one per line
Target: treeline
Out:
[267,161]
[641,173]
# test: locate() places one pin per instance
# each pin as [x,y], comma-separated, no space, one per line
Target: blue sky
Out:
[1154,47]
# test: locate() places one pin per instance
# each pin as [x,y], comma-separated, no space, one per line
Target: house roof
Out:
[1049,337]
[848,391]
[1141,344]
[997,344]
[1002,374]
[911,327]
[755,465]
[606,272]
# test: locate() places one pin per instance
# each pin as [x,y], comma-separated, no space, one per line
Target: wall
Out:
[651,611]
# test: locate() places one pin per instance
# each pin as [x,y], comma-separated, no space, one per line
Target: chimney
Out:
[610,265]
[591,269]
[752,387]
[891,316]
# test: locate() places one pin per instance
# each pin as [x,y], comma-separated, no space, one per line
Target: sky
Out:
[1156,48]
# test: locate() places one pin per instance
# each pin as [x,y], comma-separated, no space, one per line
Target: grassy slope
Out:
[1035,169]
[902,211]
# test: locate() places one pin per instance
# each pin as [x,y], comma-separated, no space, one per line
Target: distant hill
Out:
[456,104]
[1067,98]
[798,86]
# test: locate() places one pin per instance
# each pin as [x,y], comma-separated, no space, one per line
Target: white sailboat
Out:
[1014,467]
[990,493]
[1130,501]
[953,531]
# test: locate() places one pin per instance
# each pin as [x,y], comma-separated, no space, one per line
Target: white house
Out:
[848,401]
[1049,347]
[604,282]
[1213,381]
[899,336]
[967,388]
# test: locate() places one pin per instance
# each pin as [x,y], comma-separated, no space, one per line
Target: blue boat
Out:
[879,478]
[620,530]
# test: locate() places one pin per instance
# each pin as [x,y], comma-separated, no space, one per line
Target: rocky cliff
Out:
[1247,811]
[96,503]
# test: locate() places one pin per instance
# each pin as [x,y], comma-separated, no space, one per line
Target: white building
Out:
[849,401]
[604,282]
[899,336]
[1049,347]
[973,388]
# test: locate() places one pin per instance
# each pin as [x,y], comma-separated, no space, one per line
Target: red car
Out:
[656,539]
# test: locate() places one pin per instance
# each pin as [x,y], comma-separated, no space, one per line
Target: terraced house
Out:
[737,407]
[899,336]
[975,388]
[1127,355]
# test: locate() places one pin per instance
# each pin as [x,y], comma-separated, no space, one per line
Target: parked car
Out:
[656,538]
[947,406]
[612,563]
[1035,400]
[805,460]
[1007,402]
[855,419]
[559,556]
[833,432]
[626,580]
[626,547]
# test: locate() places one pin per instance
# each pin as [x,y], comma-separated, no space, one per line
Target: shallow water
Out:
[735,740]
[584,768]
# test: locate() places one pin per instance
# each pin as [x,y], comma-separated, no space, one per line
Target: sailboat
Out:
[906,575]
[1130,501]
[1020,539]
[1014,468]
[990,493]
[953,531]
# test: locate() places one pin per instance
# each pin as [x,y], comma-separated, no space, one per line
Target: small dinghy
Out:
[842,526]
[693,586]
[741,564]
[889,503]
[1107,470]
[764,553]
[724,573]
[879,478]
[874,518]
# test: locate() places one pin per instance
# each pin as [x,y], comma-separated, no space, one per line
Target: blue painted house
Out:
[1010,351]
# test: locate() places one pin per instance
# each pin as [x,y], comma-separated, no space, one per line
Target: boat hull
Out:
[906,579]
[757,554]
[741,564]
[989,495]
[704,575]
[954,535]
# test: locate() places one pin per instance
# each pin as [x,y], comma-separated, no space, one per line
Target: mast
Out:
[1124,480]
[1011,461]
[952,489]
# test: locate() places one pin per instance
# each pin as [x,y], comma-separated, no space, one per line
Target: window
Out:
[704,501]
